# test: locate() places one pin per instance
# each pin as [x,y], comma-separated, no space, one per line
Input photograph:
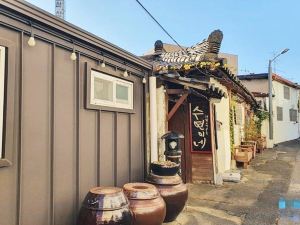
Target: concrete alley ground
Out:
[273,175]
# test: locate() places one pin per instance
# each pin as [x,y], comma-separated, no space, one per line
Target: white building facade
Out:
[286,95]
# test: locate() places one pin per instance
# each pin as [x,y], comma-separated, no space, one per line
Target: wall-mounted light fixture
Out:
[31,42]
[103,61]
[125,74]
[73,55]
[144,80]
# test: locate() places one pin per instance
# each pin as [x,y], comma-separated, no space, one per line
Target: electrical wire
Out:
[155,20]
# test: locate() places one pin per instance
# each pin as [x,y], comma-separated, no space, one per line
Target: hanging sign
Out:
[200,126]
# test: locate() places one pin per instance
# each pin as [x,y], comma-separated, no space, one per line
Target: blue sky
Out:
[255,30]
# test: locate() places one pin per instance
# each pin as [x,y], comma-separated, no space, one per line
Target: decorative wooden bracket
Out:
[177,105]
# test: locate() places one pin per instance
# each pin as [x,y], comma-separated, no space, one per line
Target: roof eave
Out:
[52,21]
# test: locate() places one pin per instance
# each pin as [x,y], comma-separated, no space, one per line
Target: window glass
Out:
[111,91]
[122,93]
[286,92]
[293,115]
[103,89]
[279,114]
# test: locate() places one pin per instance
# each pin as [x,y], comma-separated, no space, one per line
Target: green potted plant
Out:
[261,115]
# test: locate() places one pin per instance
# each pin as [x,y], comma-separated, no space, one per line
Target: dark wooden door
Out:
[180,123]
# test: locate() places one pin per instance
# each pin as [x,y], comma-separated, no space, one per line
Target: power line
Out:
[184,50]
[155,20]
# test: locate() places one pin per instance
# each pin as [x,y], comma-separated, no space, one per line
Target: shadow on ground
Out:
[253,201]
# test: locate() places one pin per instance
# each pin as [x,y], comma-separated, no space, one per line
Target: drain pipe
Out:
[153,119]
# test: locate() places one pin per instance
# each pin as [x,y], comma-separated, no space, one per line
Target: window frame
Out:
[115,74]
[115,81]
[3,60]
[11,108]
[285,93]
[95,101]
[5,157]
[295,111]
[129,85]
[279,118]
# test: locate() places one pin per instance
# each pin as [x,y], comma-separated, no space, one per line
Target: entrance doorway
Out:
[196,163]
[180,123]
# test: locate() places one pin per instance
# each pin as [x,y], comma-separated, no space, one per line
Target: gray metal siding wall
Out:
[60,150]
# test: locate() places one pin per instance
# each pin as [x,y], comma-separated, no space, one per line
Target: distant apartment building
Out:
[232,62]
[285,105]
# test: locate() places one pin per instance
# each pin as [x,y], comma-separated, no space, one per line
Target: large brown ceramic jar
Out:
[105,205]
[146,204]
[173,191]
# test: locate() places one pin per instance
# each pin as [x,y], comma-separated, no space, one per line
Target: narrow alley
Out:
[126,113]
[253,201]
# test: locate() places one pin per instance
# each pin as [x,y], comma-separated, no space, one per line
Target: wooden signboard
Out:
[200,126]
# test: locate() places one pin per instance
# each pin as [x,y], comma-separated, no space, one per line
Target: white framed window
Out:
[279,113]
[286,92]
[110,91]
[2,87]
[293,115]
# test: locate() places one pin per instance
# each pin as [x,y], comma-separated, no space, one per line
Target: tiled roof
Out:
[237,82]
[260,94]
[166,48]
[197,52]
[190,65]
[276,77]
[253,76]
[285,81]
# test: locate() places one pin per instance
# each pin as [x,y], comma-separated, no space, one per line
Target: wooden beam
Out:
[175,91]
[177,105]
[200,86]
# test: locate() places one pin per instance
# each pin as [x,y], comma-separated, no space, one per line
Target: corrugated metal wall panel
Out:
[65,149]
[36,134]
[9,175]
[107,149]
[122,151]
[64,164]
[136,132]
[88,136]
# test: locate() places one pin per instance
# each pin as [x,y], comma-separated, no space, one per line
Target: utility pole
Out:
[270,78]
[60,9]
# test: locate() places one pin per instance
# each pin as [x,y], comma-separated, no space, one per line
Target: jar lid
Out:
[140,191]
[105,198]
[164,180]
